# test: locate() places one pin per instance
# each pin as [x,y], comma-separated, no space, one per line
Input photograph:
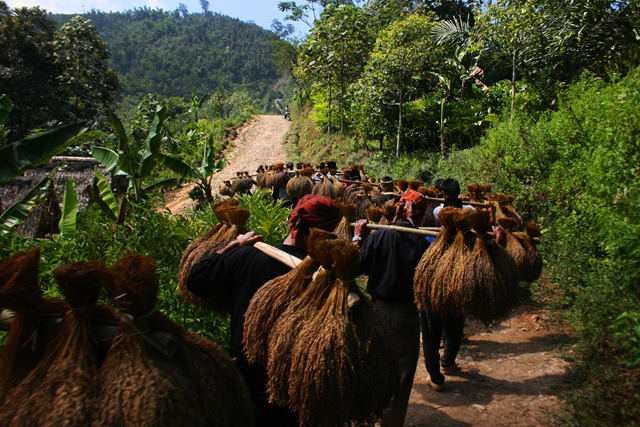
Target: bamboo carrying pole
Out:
[419,232]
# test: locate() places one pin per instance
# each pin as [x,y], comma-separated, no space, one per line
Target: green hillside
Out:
[155,51]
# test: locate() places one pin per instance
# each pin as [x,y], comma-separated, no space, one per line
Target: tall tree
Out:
[204,4]
[509,26]
[402,54]
[52,76]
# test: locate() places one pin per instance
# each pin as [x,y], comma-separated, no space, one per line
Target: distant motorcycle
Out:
[287,116]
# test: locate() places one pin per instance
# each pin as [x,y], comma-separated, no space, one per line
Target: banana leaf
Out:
[21,155]
[106,199]
[107,158]
[19,211]
[5,108]
[67,223]
[169,182]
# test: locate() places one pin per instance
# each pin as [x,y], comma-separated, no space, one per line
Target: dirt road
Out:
[505,377]
[259,142]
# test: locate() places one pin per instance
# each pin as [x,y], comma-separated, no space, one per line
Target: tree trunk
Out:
[342,90]
[329,107]
[442,146]
[513,84]
[399,123]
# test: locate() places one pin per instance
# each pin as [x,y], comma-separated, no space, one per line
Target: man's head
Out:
[331,165]
[289,165]
[386,183]
[450,188]
[438,184]
[314,211]
[411,206]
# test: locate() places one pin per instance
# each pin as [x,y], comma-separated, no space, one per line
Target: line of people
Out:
[388,257]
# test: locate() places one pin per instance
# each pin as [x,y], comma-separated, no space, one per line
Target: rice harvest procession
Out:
[326,328]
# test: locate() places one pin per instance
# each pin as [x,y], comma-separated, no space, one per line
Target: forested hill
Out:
[155,51]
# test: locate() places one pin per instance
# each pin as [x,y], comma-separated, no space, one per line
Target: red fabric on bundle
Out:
[314,211]
[411,200]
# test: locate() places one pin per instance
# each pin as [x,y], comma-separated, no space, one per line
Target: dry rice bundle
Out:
[504,208]
[278,180]
[375,214]
[261,179]
[284,336]
[187,261]
[242,185]
[487,295]
[447,280]
[231,224]
[510,211]
[327,187]
[366,198]
[351,193]
[273,298]
[372,180]
[299,186]
[62,392]
[138,386]
[338,189]
[378,372]
[424,275]
[414,185]
[402,184]
[225,189]
[513,247]
[218,388]
[343,230]
[532,266]
[475,193]
[326,383]
[20,292]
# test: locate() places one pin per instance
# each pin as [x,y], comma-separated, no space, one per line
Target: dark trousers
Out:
[431,334]
[404,321]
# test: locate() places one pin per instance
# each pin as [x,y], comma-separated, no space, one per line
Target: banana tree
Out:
[196,102]
[5,108]
[203,174]
[138,166]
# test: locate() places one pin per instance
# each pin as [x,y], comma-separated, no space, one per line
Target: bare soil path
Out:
[505,376]
[259,142]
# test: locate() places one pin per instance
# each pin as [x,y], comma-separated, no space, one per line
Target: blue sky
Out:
[262,12]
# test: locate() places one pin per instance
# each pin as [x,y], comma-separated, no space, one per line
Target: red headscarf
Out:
[314,211]
[410,201]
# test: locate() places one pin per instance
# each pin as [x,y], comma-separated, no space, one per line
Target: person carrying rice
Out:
[390,258]
[239,270]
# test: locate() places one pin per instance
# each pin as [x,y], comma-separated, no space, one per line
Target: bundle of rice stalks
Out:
[273,298]
[261,178]
[531,268]
[475,192]
[401,184]
[487,294]
[219,388]
[375,214]
[61,391]
[299,186]
[343,230]
[242,185]
[366,198]
[446,295]
[20,292]
[414,185]
[372,180]
[389,211]
[277,179]
[138,386]
[318,356]
[231,224]
[328,187]
[425,271]
[513,246]
[225,189]
[504,208]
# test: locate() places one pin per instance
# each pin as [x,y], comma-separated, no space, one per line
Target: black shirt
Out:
[237,274]
[390,259]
